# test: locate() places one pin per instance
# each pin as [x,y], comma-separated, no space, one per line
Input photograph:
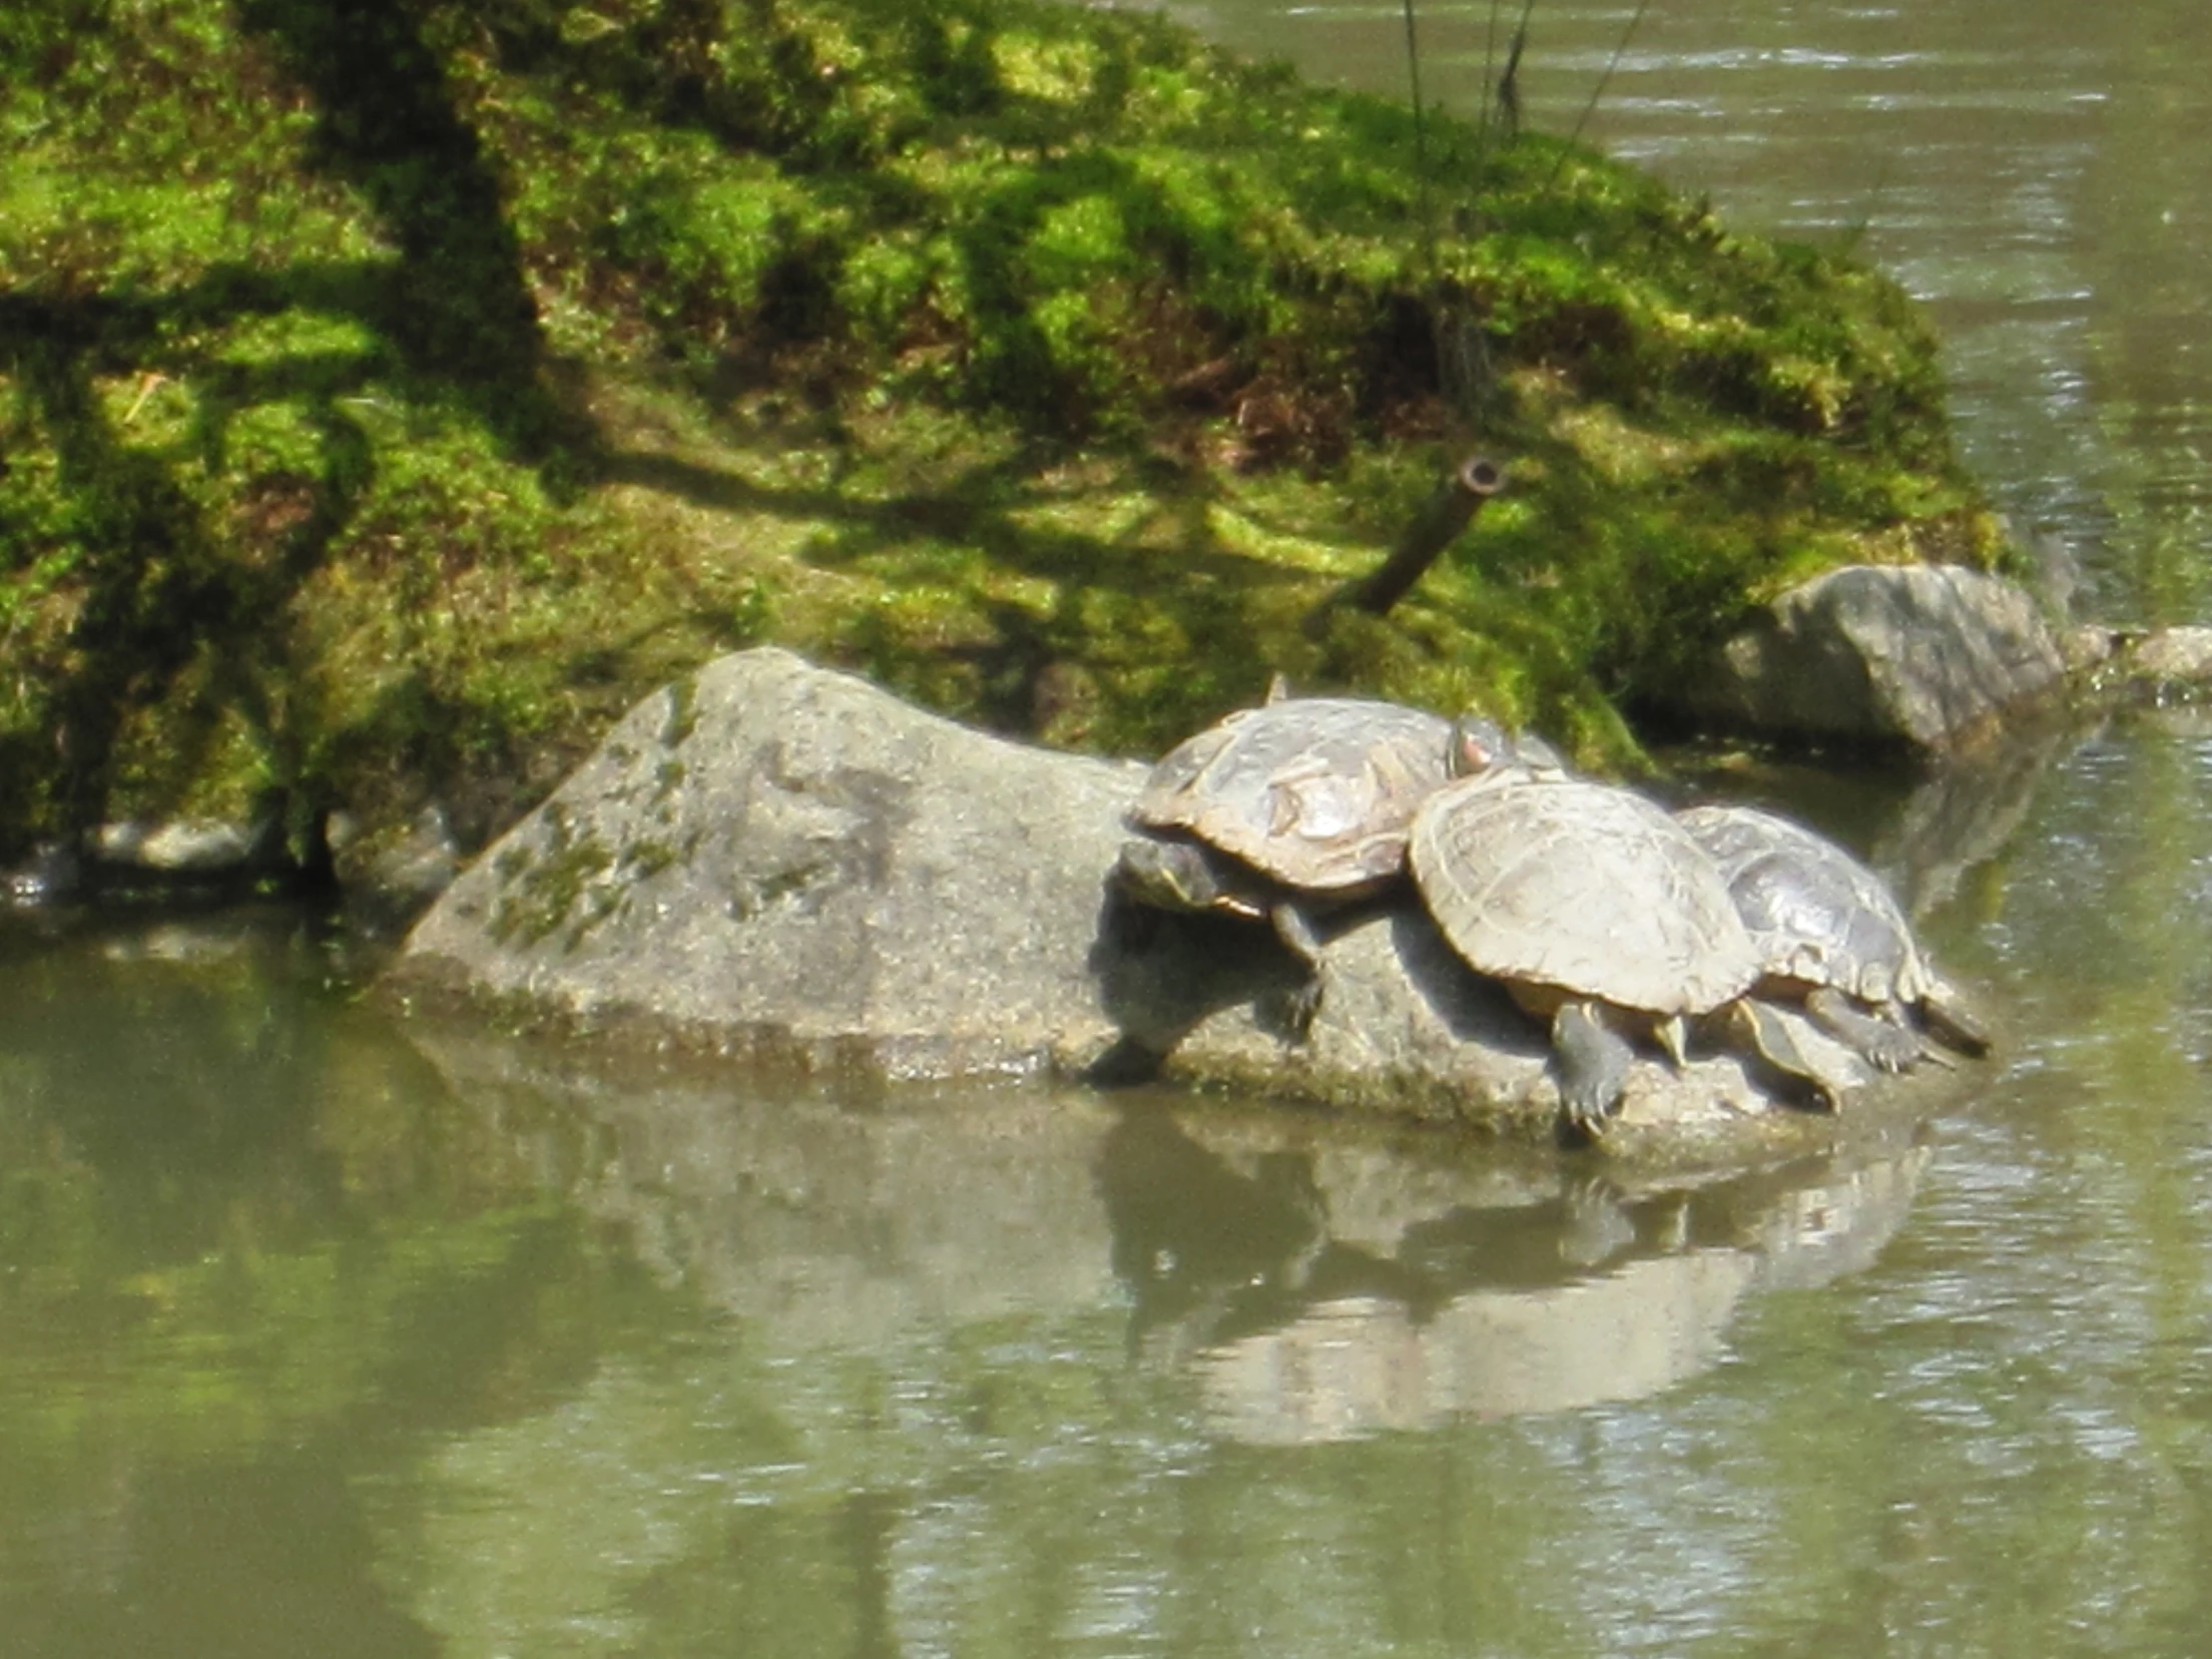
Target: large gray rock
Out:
[774,857]
[788,864]
[1924,656]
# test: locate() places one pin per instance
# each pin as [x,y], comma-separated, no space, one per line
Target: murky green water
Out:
[323,1335]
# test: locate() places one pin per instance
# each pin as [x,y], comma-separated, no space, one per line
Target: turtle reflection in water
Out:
[1831,936]
[1299,804]
[1597,911]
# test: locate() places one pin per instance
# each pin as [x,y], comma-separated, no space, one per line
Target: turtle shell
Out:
[1817,914]
[1316,793]
[1581,886]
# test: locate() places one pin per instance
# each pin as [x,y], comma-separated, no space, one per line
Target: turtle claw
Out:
[1882,1043]
[1893,1050]
[1583,1115]
[1591,1060]
[1296,930]
[1299,1008]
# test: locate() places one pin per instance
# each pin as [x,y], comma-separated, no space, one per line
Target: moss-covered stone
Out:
[545,888]
[390,395]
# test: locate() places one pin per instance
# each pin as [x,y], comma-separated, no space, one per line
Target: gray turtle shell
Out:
[1581,886]
[1817,914]
[1316,793]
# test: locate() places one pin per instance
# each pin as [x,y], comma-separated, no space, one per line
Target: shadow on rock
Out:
[1472,1008]
[1162,974]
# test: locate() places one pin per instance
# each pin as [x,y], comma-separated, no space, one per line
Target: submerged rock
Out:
[1927,657]
[788,864]
[2176,657]
[168,858]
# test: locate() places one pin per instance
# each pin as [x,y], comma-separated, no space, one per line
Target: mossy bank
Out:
[392,394]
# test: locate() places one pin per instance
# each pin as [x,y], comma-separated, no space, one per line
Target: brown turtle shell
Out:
[1315,793]
[1583,888]
[1817,914]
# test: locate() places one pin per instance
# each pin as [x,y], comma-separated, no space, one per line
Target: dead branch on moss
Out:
[1446,513]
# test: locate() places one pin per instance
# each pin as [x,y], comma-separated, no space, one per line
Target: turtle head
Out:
[1478,745]
[1481,748]
[1168,874]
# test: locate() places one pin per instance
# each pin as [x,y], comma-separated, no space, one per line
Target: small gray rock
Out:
[1926,656]
[391,878]
[2180,656]
[204,847]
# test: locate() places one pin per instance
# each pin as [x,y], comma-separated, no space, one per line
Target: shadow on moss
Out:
[457,306]
[166,616]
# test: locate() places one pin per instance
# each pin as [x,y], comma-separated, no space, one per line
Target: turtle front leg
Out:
[1882,1043]
[1598,1226]
[1296,930]
[1592,1061]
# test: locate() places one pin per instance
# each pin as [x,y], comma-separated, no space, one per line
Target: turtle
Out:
[1831,938]
[1596,911]
[1275,812]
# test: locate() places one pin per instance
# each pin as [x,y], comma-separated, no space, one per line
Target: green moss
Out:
[683,716]
[668,778]
[541,892]
[647,858]
[393,396]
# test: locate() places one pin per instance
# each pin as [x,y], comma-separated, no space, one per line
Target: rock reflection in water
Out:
[824,1223]
[1966,814]
[1313,1280]
[1520,1286]
[493,1348]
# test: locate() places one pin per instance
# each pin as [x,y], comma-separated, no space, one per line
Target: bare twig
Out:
[1603,81]
[1420,148]
[1509,86]
[1435,527]
[147,388]
[1489,81]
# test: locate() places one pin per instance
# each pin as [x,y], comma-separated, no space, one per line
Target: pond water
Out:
[327,1333]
